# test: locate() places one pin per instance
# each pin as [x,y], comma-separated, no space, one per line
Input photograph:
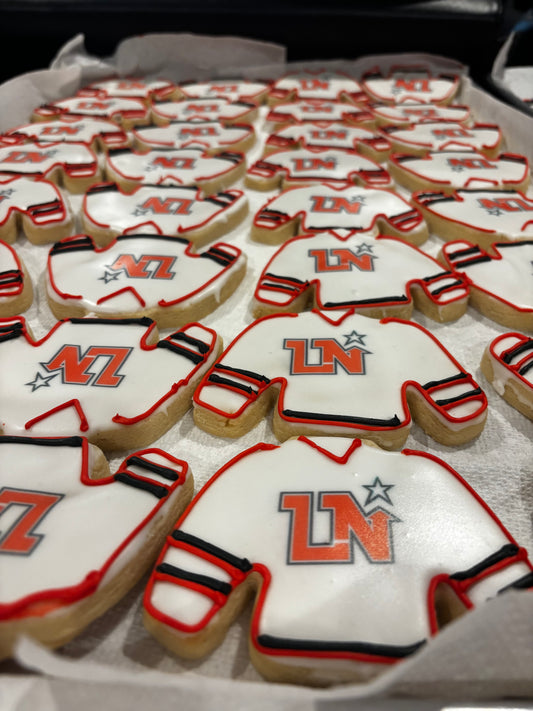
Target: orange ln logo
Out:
[97,366]
[411,85]
[28,156]
[324,356]
[346,523]
[317,165]
[458,164]
[175,163]
[147,266]
[500,205]
[336,205]
[21,511]
[168,206]
[341,260]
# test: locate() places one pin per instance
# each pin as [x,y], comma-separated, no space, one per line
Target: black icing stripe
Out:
[458,398]
[7,333]
[220,253]
[471,262]
[43,441]
[242,564]
[158,490]
[445,381]
[113,321]
[373,422]
[205,581]
[44,209]
[103,188]
[222,199]
[165,472]
[507,551]
[278,286]
[272,215]
[524,583]
[234,158]
[447,287]
[362,302]
[181,336]
[180,350]
[463,253]
[76,245]
[303,645]
[219,380]
[245,373]
[291,280]
[525,368]
[151,236]
[517,350]
[10,277]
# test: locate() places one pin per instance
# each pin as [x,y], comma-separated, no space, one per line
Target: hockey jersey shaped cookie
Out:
[303,166]
[74,166]
[501,287]
[421,138]
[317,110]
[109,212]
[403,84]
[231,89]
[36,207]
[141,275]
[319,208]
[340,373]
[184,166]
[211,136]
[379,277]
[320,84]
[127,113]
[342,545]
[453,170]
[206,109]
[507,364]
[112,381]
[16,291]
[97,134]
[329,134]
[74,539]
[130,88]
[480,216]
[411,112]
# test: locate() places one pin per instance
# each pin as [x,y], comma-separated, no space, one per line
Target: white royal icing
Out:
[183,134]
[185,166]
[65,547]
[357,270]
[206,109]
[316,111]
[412,112]
[441,135]
[348,546]
[95,106]
[130,87]
[410,83]
[517,367]
[232,89]
[75,159]
[500,212]
[73,130]
[341,370]
[138,272]
[11,274]
[322,165]
[39,200]
[324,84]
[322,207]
[334,135]
[168,210]
[104,367]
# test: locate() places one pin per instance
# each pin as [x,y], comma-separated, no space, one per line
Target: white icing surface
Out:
[94,106]
[130,87]
[9,262]
[437,136]
[170,210]
[183,134]
[415,113]
[160,271]
[316,111]
[508,370]
[183,166]
[124,379]
[327,85]
[350,270]
[72,130]
[413,84]
[332,134]
[205,109]
[20,194]
[232,89]
[77,159]
[328,580]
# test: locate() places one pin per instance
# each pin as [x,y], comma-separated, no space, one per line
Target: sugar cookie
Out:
[421,138]
[206,109]
[317,110]
[316,84]
[507,364]
[97,134]
[232,89]
[16,291]
[126,112]
[410,83]
[410,112]
[211,136]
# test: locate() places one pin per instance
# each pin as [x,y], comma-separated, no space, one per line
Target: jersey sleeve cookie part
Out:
[340,373]
[141,275]
[112,381]
[16,290]
[507,364]
[348,551]
[74,537]
[501,287]
[378,277]
[34,207]
[168,210]
[320,208]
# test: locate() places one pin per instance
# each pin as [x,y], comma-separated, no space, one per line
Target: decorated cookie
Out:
[507,364]
[74,537]
[317,110]
[329,135]
[181,166]
[36,208]
[231,89]
[207,109]
[411,112]
[319,208]
[421,138]
[410,84]
[97,134]
[112,381]
[130,88]
[316,84]
[16,291]
[501,287]
[125,112]
[378,277]
[302,166]
[452,170]
[109,212]
[141,275]
[341,545]
[74,166]
[211,136]
[340,373]
[481,216]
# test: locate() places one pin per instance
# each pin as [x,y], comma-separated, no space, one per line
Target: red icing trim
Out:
[75,403]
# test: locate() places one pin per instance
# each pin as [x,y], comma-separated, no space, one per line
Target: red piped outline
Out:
[13,291]
[512,369]
[29,209]
[74,170]
[150,90]
[356,95]
[209,115]
[390,132]
[380,112]
[108,138]
[374,140]
[54,109]
[246,130]
[399,69]
[256,96]
[349,113]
